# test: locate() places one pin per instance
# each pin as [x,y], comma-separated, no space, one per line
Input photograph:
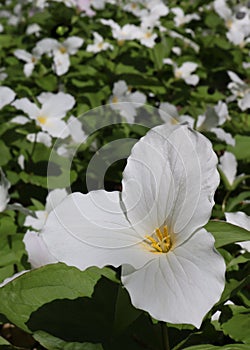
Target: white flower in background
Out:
[46,46]
[31,60]
[169,114]
[180,18]
[228,170]
[125,101]
[60,51]
[33,28]
[240,91]
[216,315]
[228,165]
[240,219]
[20,161]
[54,198]
[237,23]
[40,137]
[4,195]
[154,10]
[176,50]
[213,118]
[85,6]
[153,229]
[188,42]
[1,28]
[49,116]
[99,44]
[3,75]
[184,71]
[7,95]
[77,137]
[121,34]
[146,36]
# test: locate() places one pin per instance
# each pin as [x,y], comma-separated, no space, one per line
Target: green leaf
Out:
[225,233]
[237,327]
[5,153]
[241,150]
[125,313]
[30,291]
[52,343]
[212,347]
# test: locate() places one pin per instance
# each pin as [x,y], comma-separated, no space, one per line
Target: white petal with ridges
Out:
[87,230]
[180,286]
[170,179]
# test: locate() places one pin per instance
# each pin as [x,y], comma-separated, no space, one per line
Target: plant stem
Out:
[164,333]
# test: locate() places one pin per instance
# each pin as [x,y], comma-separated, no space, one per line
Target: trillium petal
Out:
[56,128]
[180,286]
[228,165]
[6,96]
[73,43]
[23,55]
[170,179]
[87,230]
[27,107]
[38,254]
[61,62]
[56,105]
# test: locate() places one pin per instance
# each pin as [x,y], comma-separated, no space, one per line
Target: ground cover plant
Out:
[124,174]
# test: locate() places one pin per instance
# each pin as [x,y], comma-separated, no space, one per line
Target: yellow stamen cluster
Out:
[63,49]
[114,99]
[159,241]
[42,120]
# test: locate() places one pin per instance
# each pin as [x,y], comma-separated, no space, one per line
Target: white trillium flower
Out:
[180,17]
[6,96]
[49,116]
[30,59]
[169,114]
[240,219]
[125,101]
[184,71]
[33,28]
[3,75]
[228,165]
[146,36]
[240,91]
[153,229]
[216,116]
[238,23]
[228,168]
[99,44]
[4,195]
[121,34]
[60,51]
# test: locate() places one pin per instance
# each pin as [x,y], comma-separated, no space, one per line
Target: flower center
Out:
[160,241]
[63,49]
[42,120]
[178,74]
[100,45]
[114,99]
[147,35]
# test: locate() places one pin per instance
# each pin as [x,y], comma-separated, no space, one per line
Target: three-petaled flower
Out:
[153,228]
